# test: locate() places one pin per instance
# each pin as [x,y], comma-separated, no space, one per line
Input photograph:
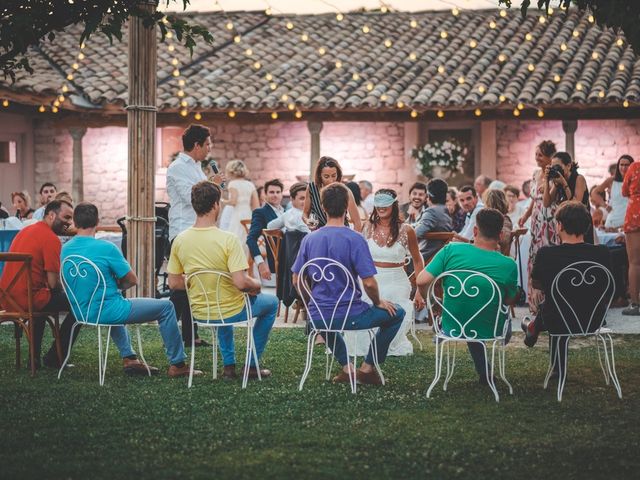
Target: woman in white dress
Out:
[390,241]
[617,202]
[243,197]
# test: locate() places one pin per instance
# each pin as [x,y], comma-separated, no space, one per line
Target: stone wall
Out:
[597,144]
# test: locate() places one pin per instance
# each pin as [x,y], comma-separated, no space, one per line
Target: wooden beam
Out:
[141,120]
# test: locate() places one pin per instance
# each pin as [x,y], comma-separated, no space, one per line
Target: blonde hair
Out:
[64,196]
[237,168]
[496,199]
[24,195]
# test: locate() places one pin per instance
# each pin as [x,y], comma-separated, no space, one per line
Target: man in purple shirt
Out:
[349,248]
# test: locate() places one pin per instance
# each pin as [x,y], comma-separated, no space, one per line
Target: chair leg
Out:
[66,359]
[502,362]
[17,333]
[599,338]
[214,352]
[374,346]
[553,358]
[562,366]
[413,332]
[193,354]
[58,338]
[307,366]
[32,351]
[611,365]
[489,372]
[352,374]
[330,357]
[451,364]
[279,305]
[286,313]
[140,350]
[295,317]
[439,355]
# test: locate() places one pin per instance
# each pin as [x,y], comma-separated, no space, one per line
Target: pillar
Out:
[570,127]
[314,129]
[77,179]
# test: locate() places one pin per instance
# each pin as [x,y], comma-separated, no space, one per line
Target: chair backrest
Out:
[582,289]
[464,287]
[515,237]
[326,270]
[274,238]
[10,304]
[246,224]
[75,270]
[206,283]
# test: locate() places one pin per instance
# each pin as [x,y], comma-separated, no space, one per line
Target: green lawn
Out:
[156,428]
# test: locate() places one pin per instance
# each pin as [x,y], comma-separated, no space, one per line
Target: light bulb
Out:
[413,114]
[197,116]
[443,34]
[41,109]
[503,13]
[184,113]
[413,24]
[339,17]
[298,114]
[274,115]
[440,114]
[231,114]
[477,112]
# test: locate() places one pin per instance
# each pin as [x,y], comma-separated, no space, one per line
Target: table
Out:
[6,237]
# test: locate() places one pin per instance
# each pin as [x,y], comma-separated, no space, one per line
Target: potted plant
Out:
[439,159]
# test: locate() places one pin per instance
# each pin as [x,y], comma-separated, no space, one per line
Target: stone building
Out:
[278,91]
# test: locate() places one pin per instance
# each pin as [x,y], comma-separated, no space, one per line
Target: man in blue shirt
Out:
[335,299]
[85,291]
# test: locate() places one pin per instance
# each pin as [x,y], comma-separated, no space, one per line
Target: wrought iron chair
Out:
[22,318]
[465,286]
[322,269]
[202,284]
[577,276]
[76,269]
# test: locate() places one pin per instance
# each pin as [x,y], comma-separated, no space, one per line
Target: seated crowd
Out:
[385,294]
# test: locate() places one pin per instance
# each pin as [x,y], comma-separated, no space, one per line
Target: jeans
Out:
[373,317]
[477,354]
[144,310]
[264,308]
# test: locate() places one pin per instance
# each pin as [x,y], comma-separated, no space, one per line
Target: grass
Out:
[156,428]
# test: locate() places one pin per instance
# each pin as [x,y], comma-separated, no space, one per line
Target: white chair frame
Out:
[323,325]
[197,276]
[583,273]
[412,329]
[463,332]
[79,266]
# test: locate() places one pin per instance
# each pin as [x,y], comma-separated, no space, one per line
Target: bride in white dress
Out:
[390,242]
[243,198]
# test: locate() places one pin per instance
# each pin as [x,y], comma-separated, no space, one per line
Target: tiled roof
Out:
[403,61]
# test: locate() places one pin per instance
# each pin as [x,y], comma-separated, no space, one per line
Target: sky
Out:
[320,6]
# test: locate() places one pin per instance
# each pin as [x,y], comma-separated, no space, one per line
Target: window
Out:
[8,152]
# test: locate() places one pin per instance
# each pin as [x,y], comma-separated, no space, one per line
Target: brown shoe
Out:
[175,372]
[342,377]
[136,367]
[370,378]
[229,372]
[253,373]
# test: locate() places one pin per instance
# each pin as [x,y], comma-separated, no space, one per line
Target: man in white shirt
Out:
[260,218]
[366,192]
[48,192]
[183,173]
[471,204]
[291,220]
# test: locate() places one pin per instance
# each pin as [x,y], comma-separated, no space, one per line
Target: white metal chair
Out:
[76,269]
[579,275]
[322,269]
[465,286]
[207,284]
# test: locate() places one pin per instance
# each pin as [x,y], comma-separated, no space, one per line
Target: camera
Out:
[555,171]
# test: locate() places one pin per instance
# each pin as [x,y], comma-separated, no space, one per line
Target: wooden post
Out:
[141,121]
[77,179]
[570,127]
[314,129]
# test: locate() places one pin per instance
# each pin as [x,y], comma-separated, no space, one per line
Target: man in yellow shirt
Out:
[206,247]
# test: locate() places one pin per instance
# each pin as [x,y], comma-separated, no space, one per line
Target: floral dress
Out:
[631,189]
[543,232]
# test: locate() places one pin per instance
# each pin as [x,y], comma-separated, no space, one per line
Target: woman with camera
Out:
[564,183]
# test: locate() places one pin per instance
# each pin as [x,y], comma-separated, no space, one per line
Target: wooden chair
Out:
[274,238]
[247,226]
[21,318]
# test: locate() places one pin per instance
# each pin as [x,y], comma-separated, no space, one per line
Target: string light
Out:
[273,86]
[56,103]
[180,93]
[237,39]
[5,103]
[594,55]
[322,50]
[184,112]
[601,94]
[625,104]
[400,104]
[492,25]
[413,114]
[54,109]
[175,73]
[413,24]
[579,87]
[576,33]
[460,80]
[383,97]
[61,98]
[455,12]
[171,48]
[503,13]
[339,17]
[473,44]
[388,43]
[502,57]
[298,114]
[248,52]
[477,112]
[549,11]
[338,64]
[516,112]
[291,106]
[284,97]
[65,89]
[257,65]
[268,77]
[289,26]
[365,29]
[621,67]
[531,67]
[542,20]
[41,109]
[520,106]
[502,98]
[369,86]
[231,114]
[81,56]
[441,69]
[443,34]
[304,37]
[556,78]
[481,89]
[440,114]
[75,66]
[413,56]
[591,19]
[229,26]
[198,116]
[70,77]
[274,115]
[355,76]
[563,47]
[384,9]
[528,37]
[540,113]
[174,61]
[268,11]
[183,103]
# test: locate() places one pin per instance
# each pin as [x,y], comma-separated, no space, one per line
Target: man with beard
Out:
[41,241]
[413,209]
